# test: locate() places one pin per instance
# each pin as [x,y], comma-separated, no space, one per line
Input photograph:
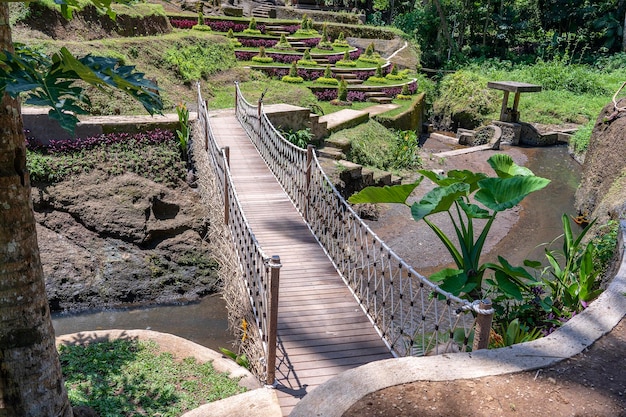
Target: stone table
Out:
[512,114]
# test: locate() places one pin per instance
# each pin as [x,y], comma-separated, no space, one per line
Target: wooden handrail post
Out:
[272,327]
[226,197]
[260,117]
[205,116]
[309,162]
[482,329]
[236,96]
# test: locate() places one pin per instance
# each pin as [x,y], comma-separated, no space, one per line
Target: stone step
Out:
[331,153]
[371,94]
[380,100]
[277,32]
[347,76]
[355,81]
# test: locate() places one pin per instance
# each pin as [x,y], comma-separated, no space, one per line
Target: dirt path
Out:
[592,383]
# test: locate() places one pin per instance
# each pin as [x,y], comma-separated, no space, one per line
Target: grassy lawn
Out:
[133,378]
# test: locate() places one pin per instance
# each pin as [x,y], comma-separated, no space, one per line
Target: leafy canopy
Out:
[51,80]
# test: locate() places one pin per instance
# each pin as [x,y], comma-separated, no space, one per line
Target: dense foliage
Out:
[155,155]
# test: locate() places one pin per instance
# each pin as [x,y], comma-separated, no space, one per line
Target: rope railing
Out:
[412,315]
[259,271]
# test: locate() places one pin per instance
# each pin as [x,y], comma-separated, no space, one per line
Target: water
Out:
[540,219]
[204,322]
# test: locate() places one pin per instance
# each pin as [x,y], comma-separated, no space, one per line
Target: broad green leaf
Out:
[386,194]
[474,211]
[453,281]
[504,166]
[501,194]
[532,264]
[507,286]
[438,200]
[467,177]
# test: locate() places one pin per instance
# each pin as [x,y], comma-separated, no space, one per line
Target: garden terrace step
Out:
[277,32]
[344,119]
[331,153]
[353,81]
[372,94]
[380,100]
[321,61]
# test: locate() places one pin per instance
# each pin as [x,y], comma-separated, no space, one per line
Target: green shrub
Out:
[579,141]
[342,91]
[293,75]
[377,80]
[206,57]
[306,60]
[292,80]
[204,28]
[340,41]
[465,93]
[342,63]
[283,43]
[262,59]
[327,81]
[252,29]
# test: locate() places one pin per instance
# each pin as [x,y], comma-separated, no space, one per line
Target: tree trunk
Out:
[31,383]
[444,27]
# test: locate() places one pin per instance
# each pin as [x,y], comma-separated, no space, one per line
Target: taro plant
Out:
[454,194]
[184,131]
[574,281]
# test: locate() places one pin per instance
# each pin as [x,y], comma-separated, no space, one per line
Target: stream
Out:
[206,322]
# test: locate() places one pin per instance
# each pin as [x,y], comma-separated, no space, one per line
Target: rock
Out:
[126,240]
[602,190]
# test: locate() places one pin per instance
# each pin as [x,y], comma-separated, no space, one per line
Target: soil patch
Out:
[589,384]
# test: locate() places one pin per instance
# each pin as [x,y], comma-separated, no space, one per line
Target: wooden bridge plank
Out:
[322,329]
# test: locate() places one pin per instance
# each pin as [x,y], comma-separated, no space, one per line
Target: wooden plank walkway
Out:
[322,330]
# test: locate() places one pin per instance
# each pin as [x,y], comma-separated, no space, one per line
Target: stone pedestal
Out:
[511,132]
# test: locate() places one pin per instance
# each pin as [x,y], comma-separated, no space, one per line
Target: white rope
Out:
[475,307]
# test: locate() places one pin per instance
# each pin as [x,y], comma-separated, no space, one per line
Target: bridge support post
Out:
[226,195]
[309,161]
[483,325]
[205,117]
[272,327]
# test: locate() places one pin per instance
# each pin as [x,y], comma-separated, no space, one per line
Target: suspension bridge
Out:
[327,294]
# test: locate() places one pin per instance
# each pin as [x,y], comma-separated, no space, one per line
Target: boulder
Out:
[602,190]
[120,241]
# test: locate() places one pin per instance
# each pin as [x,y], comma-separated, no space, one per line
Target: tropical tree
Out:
[31,382]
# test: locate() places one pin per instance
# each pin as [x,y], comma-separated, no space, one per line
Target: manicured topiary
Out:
[405,94]
[327,78]
[283,43]
[233,41]
[306,60]
[341,41]
[293,75]
[378,78]
[201,26]
[345,61]
[394,74]
[252,29]
[261,57]
[370,55]
[325,41]
[306,27]
[342,92]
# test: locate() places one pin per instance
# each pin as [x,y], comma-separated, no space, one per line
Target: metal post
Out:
[226,196]
[259,117]
[309,161]
[482,329]
[236,96]
[272,327]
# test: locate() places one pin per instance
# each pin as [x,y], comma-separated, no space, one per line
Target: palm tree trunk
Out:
[31,383]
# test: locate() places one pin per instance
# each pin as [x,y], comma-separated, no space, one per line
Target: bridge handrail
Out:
[257,268]
[413,315]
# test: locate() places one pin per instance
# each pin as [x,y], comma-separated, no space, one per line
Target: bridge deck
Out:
[322,331]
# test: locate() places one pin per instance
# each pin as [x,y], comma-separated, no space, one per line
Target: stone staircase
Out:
[378,97]
[264,11]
